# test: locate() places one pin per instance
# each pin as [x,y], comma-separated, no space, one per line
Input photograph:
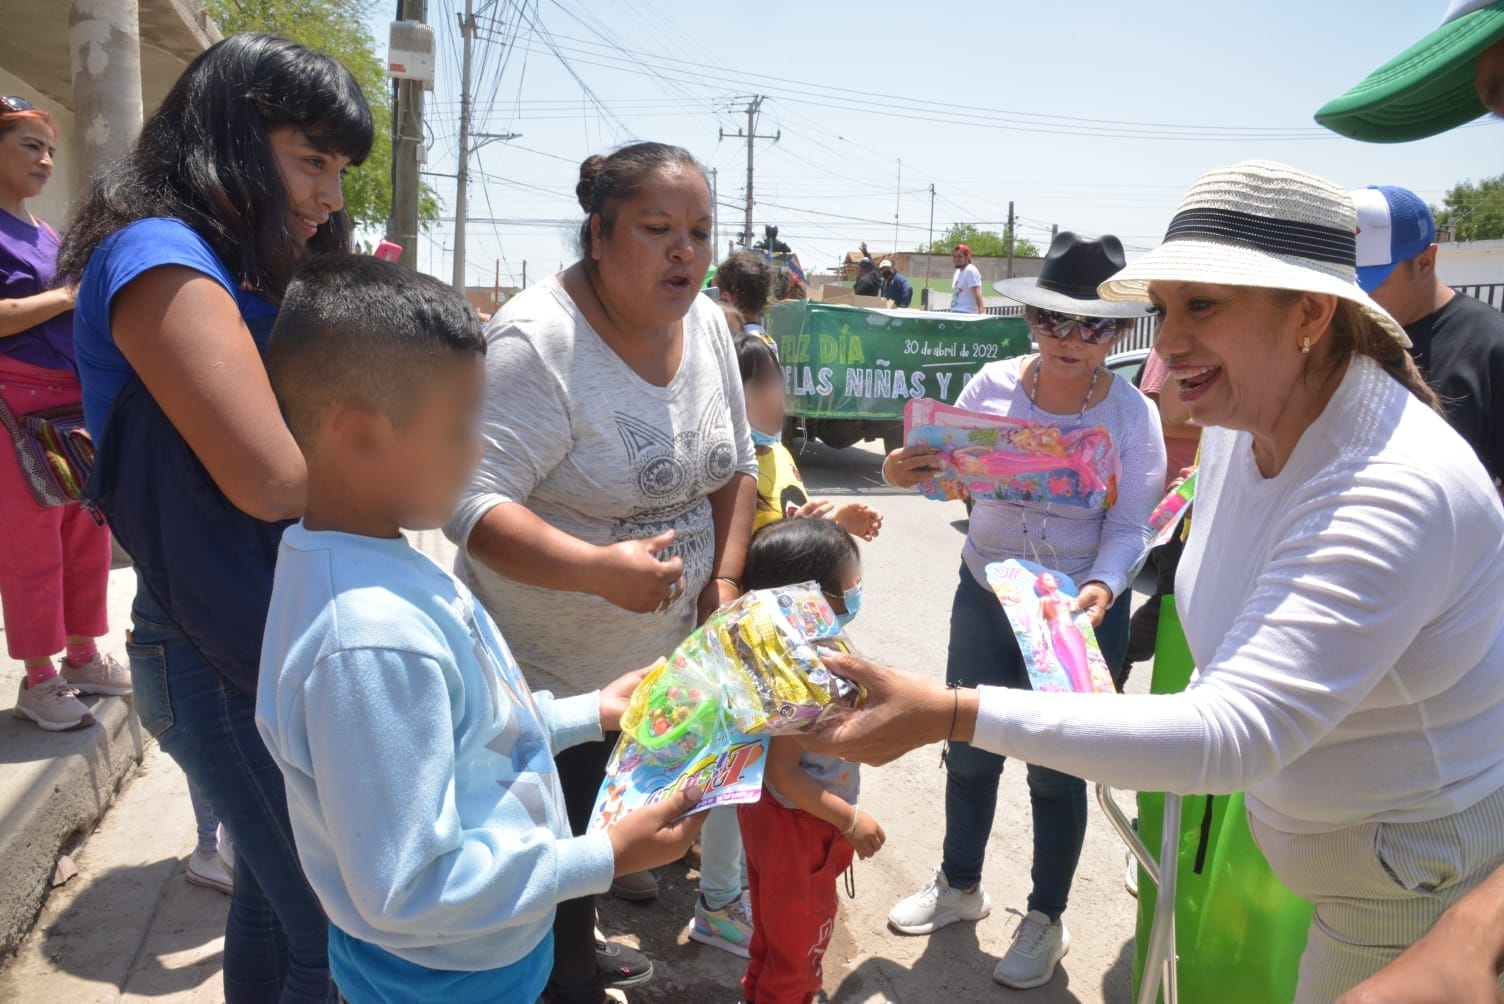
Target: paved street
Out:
[129,928]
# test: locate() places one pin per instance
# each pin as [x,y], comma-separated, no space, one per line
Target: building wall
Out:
[941,266]
[1474,262]
[61,193]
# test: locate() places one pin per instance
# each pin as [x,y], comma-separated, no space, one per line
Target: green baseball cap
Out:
[1428,88]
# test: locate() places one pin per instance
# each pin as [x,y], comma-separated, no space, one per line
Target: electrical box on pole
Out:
[410,53]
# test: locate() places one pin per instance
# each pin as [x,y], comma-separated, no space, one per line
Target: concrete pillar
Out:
[104,43]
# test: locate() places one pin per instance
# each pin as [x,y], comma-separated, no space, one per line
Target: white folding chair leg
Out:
[1159,954]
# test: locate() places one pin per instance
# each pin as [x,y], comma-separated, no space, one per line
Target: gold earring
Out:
[1305,346]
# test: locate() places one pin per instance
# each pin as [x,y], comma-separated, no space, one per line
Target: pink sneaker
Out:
[100,675]
[52,705]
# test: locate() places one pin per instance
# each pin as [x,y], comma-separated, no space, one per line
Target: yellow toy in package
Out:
[702,716]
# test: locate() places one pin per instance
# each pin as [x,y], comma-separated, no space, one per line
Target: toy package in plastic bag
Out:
[702,716]
[1164,520]
[991,457]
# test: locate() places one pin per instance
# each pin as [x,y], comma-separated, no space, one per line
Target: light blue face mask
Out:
[853,599]
[760,438]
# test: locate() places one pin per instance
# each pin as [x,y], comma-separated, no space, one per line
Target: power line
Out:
[811,94]
[542,32]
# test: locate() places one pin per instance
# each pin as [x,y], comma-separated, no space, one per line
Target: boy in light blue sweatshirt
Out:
[419,767]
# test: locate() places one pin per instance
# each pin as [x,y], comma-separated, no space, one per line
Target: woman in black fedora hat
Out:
[1065,384]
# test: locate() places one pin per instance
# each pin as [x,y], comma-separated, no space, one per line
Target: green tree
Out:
[1473,210]
[338,27]
[983,243]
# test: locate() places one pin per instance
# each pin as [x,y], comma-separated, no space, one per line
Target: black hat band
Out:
[1263,233]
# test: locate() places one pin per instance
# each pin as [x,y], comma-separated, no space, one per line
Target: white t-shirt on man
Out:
[965,280]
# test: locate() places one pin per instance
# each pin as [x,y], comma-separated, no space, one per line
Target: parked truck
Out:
[849,371]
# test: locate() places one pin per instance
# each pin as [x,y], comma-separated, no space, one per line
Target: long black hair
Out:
[203,158]
[754,356]
[801,549]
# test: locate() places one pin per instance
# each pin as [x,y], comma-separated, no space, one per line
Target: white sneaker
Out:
[1038,946]
[937,905]
[226,849]
[205,869]
[1130,876]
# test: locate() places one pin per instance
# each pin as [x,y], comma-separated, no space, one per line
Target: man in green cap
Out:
[1448,78]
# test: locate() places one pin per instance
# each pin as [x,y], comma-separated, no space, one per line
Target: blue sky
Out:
[1092,115]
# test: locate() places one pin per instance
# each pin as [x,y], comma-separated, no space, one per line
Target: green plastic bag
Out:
[1238,931]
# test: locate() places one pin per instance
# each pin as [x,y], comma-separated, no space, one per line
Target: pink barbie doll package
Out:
[1059,646]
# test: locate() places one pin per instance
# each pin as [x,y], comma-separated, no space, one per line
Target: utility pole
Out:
[407,139]
[462,174]
[524,273]
[1054,230]
[715,214]
[1010,238]
[897,204]
[750,134]
[930,247]
[462,178]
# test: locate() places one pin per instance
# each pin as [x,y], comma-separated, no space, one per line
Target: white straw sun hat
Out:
[1260,224]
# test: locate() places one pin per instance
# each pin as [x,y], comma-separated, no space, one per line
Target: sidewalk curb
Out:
[54,788]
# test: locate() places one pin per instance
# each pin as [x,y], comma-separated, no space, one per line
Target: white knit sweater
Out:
[1347,617]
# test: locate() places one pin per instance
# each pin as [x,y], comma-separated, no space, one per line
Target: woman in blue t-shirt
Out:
[181,253]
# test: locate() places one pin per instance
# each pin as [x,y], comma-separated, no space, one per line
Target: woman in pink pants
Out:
[54,560]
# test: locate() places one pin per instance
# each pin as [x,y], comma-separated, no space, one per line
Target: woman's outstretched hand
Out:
[902,712]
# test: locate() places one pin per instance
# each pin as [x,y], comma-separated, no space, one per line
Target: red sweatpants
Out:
[54,561]
[793,862]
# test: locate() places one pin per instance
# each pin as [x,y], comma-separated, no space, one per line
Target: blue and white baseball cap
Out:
[1394,225]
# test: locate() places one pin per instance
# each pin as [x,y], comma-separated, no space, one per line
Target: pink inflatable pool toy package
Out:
[990,457]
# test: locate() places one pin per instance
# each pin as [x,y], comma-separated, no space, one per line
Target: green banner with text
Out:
[855,362]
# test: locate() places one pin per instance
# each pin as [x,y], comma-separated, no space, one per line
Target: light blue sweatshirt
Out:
[419,767]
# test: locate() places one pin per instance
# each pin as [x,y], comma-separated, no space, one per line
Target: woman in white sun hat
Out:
[1342,590]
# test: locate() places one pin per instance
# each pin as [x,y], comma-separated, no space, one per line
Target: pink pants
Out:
[55,560]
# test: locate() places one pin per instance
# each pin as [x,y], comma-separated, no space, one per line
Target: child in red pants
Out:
[803,833]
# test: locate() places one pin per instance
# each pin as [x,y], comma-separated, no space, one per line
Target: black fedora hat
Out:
[1073,269]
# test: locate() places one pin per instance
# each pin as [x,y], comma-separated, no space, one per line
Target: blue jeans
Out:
[276,936]
[984,650]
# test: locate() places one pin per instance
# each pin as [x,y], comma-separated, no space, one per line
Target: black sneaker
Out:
[621,966]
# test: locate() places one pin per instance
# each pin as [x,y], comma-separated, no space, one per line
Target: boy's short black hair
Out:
[801,549]
[356,328]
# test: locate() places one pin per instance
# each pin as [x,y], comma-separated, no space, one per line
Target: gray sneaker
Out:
[938,905]
[100,675]
[53,705]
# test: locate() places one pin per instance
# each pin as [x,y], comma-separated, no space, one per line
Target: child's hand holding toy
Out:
[616,695]
[655,835]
